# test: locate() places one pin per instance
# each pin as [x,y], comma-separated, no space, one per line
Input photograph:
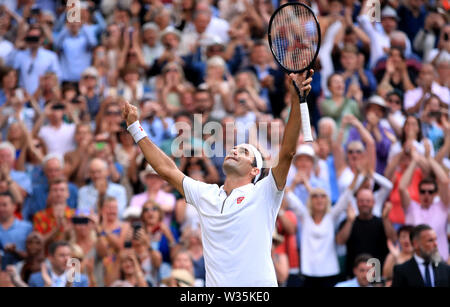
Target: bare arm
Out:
[344,234]
[404,184]
[442,179]
[292,131]
[160,162]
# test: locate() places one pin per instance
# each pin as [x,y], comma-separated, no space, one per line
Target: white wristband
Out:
[136,131]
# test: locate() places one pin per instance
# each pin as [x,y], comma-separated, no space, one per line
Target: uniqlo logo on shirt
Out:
[240,199]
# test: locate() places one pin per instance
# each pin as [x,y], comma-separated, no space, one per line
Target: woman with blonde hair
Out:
[319,261]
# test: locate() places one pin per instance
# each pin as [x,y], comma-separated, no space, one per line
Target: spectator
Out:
[57,135]
[111,237]
[375,113]
[74,43]
[35,256]
[154,192]
[280,260]
[89,196]
[53,171]
[8,85]
[303,167]
[54,222]
[270,77]
[170,87]
[34,61]
[412,15]
[319,262]
[155,122]
[161,237]
[192,241]
[365,233]
[424,241]
[356,157]
[89,88]
[76,162]
[360,270]
[19,179]
[13,232]
[432,121]
[151,47]
[55,275]
[427,210]
[400,252]
[415,98]
[129,269]
[337,106]
[182,260]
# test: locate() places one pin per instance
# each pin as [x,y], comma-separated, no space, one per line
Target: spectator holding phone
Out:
[34,61]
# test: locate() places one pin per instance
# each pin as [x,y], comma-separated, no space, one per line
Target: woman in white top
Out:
[319,261]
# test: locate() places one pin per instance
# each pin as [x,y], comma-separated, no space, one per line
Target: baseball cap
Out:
[170,30]
[147,171]
[305,150]
[132,212]
[90,71]
[389,12]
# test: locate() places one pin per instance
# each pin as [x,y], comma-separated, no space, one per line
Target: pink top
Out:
[165,200]
[436,216]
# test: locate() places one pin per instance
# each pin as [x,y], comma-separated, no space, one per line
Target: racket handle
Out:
[306,124]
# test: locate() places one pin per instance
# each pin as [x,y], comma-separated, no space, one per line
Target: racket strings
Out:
[294,37]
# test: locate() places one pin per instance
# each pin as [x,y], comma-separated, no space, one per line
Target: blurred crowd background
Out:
[73,184]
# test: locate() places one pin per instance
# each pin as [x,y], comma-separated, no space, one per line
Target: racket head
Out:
[294,36]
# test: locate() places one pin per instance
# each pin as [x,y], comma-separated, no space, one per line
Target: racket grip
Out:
[306,124]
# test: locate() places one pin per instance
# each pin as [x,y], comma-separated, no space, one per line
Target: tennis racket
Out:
[294,40]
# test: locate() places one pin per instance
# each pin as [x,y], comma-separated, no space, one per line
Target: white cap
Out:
[147,171]
[389,12]
[132,212]
[170,30]
[90,71]
[305,150]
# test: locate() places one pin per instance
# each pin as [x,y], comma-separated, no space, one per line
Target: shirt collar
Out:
[419,259]
[243,188]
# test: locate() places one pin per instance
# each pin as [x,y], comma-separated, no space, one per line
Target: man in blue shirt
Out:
[157,127]
[57,274]
[33,62]
[13,232]
[360,269]
[53,169]
[75,44]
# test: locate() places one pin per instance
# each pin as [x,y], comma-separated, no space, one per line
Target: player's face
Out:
[239,160]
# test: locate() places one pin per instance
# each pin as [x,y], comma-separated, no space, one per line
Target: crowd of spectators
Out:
[75,188]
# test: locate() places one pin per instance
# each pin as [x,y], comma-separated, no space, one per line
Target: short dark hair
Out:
[428,180]
[56,181]
[361,258]
[55,245]
[405,228]
[415,234]
[7,194]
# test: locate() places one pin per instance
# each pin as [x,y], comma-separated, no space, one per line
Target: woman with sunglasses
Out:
[319,261]
[357,156]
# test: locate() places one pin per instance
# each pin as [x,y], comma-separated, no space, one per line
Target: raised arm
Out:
[160,162]
[442,180]
[405,182]
[292,131]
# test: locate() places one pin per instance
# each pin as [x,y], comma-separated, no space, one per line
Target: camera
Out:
[136,227]
[32,39]
[58,106]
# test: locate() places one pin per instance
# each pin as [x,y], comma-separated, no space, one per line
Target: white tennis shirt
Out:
[237,231]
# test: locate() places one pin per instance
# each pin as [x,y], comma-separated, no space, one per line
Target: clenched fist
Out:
[129,112]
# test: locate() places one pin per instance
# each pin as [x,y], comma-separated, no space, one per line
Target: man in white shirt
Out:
[237,219]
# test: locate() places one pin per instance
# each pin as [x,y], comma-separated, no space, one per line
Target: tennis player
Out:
[237,219]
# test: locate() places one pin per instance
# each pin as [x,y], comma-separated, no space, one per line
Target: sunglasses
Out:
[396,101]
[172,70]
[116,113]
[149,209]
[429,192]
[351,151]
